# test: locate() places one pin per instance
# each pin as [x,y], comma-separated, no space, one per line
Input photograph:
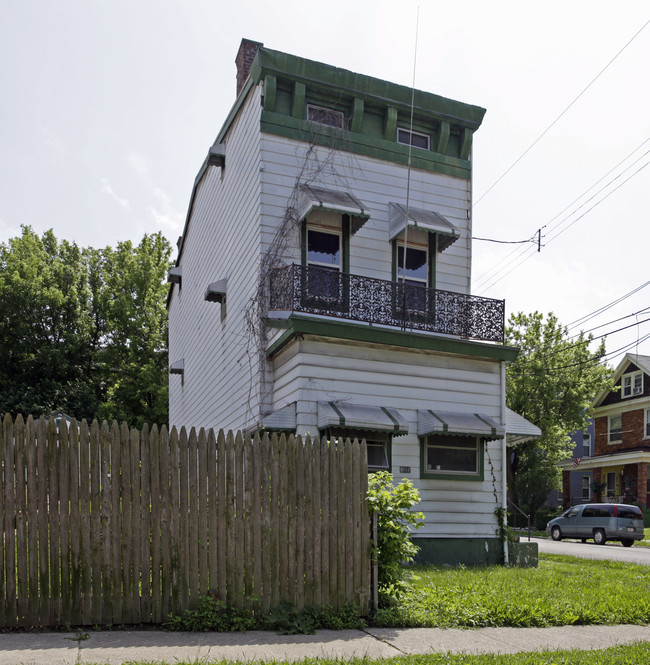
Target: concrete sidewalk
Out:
[116,647]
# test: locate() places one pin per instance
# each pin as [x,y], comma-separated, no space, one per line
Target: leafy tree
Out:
[84,330]
[552,383]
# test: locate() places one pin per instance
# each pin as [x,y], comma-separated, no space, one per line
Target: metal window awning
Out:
[175,274]
[317,198]
[424,220]
[216,292]
[217,155]
[432,421]
[362,417]
[519,430]
[177,367]
[283,419]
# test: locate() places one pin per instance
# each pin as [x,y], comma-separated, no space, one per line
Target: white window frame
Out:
[610,428]
[333,114]
[586,445]
[586,488]
[409,134]
[629,387]
[646,425]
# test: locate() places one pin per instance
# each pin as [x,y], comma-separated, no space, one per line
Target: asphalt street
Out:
[613,551]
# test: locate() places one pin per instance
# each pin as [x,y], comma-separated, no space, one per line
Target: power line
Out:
[532,145]
[573,222]
[604,308]
[482,277]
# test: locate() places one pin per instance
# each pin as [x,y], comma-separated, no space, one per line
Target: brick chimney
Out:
[244,60]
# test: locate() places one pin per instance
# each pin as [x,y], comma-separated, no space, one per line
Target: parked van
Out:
[600,521]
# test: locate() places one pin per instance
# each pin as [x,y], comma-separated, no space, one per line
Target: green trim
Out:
[298,105]
[362,144]
[443,137]
[433,259]
[338,413]
[357,115]
[278,323]
[469,477]
[345,233]
[303,242]
[338,82]
[457,551]
[492,429]
[466,146]
[270,92]
[390,124]
[299,324]
[393,420]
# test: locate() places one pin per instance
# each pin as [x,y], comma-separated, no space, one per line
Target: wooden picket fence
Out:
[111,525]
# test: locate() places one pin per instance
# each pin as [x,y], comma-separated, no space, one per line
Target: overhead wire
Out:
[548,240]
[582,92]
[484,276]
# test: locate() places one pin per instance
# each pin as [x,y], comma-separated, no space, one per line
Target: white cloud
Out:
[165,215]
[139,165]
[107,189]
[53,141]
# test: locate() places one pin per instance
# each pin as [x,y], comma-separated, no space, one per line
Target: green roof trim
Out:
[298,324]
[378,148]
[365,87]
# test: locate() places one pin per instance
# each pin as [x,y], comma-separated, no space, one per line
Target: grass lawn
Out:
[562,591]
[633,654]
[646,539]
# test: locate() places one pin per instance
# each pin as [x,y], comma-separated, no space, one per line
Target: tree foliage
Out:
[395,522]
[552,384]
[84,330]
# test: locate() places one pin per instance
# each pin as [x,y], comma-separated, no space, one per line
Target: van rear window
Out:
[629,512]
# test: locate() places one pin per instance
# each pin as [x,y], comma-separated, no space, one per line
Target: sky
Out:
[108,108]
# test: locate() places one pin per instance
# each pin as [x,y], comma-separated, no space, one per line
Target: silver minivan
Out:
[600,521]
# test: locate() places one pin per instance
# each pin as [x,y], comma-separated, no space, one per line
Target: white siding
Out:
[221,380]
[313,370]
[376,183]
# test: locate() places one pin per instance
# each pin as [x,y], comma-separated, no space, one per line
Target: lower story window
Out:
[378,445]
[586,485]
[452,456]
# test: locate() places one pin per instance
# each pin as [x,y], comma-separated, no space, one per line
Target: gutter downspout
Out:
[504,457]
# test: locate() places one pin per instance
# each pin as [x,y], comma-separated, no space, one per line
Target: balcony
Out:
[327,292]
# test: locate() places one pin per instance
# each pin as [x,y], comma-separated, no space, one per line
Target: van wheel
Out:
[627,542]
[599,537]
[556,534]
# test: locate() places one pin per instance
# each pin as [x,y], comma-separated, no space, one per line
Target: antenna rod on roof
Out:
[408,178]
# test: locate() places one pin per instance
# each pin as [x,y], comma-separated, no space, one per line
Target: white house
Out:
[322,286]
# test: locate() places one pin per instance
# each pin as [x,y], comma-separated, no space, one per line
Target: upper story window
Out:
[586,445]
[324,253]
[646,429]
[416,139]
[325,116]
[415,269]
[615,428]
[632,384]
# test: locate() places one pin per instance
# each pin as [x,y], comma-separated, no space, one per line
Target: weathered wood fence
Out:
[111,525]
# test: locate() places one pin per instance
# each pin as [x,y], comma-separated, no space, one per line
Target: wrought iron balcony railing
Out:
[327,292]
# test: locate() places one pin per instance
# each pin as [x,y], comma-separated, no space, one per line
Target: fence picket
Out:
[116,525]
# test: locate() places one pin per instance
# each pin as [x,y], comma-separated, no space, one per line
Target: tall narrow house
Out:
[322,287]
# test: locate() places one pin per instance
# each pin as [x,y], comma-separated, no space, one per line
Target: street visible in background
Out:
[613,551]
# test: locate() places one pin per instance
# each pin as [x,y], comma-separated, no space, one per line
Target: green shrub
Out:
[213,614]
[393,504]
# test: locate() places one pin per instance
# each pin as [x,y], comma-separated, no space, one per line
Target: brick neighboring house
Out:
[622,437]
